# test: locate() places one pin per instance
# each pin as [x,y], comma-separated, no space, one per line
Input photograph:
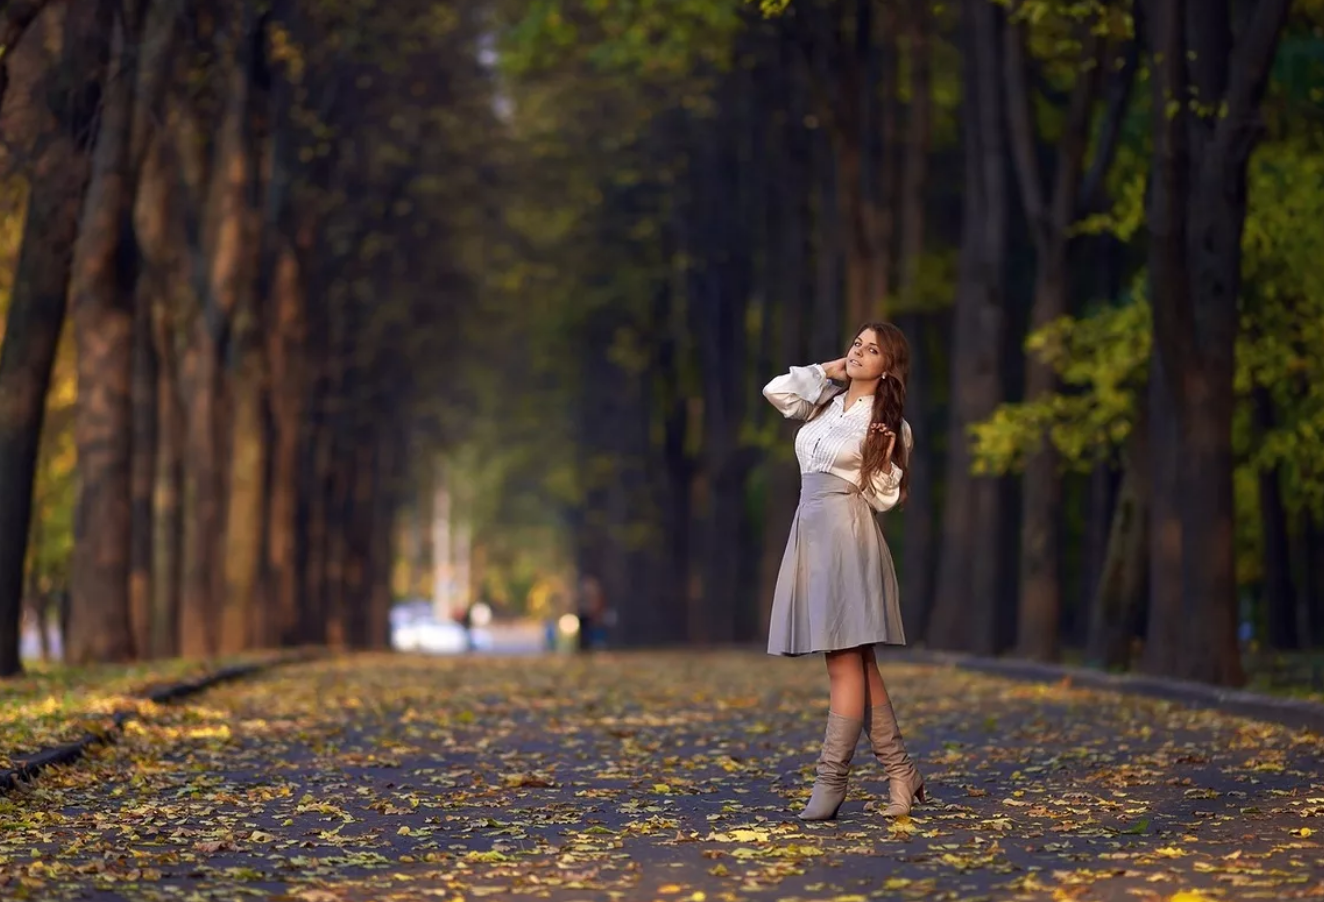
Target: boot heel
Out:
[921,797]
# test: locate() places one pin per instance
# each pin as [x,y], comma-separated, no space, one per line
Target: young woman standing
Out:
[837,590]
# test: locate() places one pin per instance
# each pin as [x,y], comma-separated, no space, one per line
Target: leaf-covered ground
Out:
[662,776]
[50,705]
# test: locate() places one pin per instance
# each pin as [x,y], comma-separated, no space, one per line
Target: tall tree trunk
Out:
[966,601]
[918,558]
[1197,211]
[223,271]
[37,308]
[1165,621]
[826,327]
[1050,214]
[1119,596]
[285,347]
[719,286]
[245,523]
[103,299]
[384,502]
[142,477]
[1279,595]
[168,495]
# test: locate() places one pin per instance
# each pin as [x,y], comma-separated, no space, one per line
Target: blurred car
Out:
[416,628]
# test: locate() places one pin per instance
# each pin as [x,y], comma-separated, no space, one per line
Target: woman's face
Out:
[865,359]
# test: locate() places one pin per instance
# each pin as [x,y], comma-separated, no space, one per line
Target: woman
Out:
[837,591]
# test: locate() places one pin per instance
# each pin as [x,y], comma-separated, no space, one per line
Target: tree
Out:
[1208,80]
[37,307]
[965,613]
[1093,36]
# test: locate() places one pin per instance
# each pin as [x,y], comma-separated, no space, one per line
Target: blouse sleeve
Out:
[885,491]
[796,393]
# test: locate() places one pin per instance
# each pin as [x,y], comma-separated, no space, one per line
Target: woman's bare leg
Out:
[905,784]
[848,686]
[875,690]
[844,723]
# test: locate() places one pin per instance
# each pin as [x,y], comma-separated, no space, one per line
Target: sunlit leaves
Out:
[1103,361]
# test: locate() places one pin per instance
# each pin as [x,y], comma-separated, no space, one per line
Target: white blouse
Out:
[833,442]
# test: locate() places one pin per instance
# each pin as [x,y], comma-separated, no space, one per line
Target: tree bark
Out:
[1165,621]
[966,600]
[285,335]
[245,523]
[223,271]
[918,557]
[1050,216]
[142,477]
[17,17]
[1279,595]
[37,309]
[168,495]
[102,290]
[1119,597]
[718,289]
[1197,211]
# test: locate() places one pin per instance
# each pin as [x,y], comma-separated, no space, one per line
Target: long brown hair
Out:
[889,406]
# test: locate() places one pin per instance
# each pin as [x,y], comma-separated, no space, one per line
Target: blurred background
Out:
[441,324]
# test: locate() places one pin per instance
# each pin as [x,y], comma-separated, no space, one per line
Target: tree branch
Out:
[1110,133]
[1252,58]
[1076,133]
[1171,303]
[1020,126]
[18,15]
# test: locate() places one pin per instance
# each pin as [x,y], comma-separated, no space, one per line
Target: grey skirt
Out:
[837,587]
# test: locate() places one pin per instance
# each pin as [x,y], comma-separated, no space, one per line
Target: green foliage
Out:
[1283,321]
[1102,359]
[1103,362]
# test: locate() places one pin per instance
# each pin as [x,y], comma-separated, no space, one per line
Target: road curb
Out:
[1291,712]
[29,766]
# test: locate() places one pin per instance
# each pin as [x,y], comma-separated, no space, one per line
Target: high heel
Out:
[905,785]
[833,768]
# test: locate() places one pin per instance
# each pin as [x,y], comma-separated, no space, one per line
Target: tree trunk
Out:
[223,270]
[1165,626]
[168,499]
[1279,594]
[285,335]
[103,300]
[966,602]
[1050,214]
[918,558]
[36,314]
[142,477]
[718,290]
[245,523]
[1119,596]
[1197,211]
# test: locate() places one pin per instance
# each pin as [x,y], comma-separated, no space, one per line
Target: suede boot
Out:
[904,784]
[833,767]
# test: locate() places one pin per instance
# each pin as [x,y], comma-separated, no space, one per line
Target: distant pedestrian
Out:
[592,611]
[837,590]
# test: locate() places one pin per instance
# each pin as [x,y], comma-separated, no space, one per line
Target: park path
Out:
[670,776]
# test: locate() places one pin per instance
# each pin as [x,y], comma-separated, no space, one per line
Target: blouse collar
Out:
[841,399]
